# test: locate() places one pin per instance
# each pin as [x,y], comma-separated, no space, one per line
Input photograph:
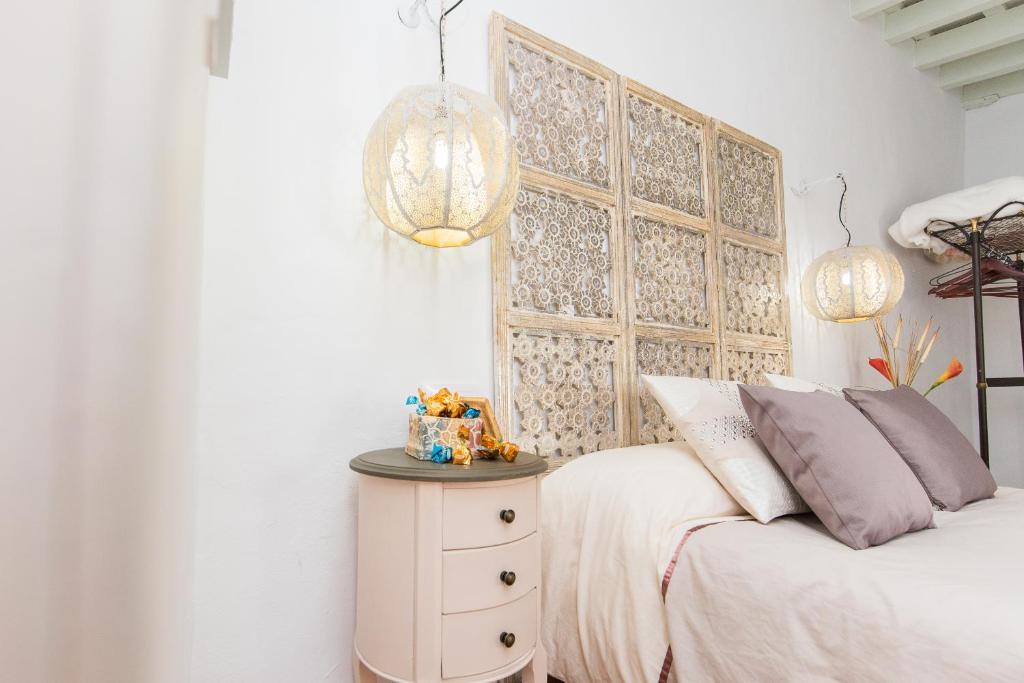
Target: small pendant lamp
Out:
[852,284]
[440,165]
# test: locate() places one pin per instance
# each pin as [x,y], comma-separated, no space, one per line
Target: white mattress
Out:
[973,202]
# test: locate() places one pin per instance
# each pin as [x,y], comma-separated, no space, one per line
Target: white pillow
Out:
[669,479]
[797,384]
[711,418]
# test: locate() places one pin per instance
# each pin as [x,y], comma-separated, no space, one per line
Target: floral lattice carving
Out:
[561,261]
[666,159]
[747,198]
[749,367]
[559,115]
[752,279]
[643,233]
[670,273]
[666,357]
[564,393]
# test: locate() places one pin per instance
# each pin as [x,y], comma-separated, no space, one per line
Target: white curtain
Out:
[102,107]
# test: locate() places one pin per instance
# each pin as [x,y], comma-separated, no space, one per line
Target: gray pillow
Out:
[849,475]
[945,462]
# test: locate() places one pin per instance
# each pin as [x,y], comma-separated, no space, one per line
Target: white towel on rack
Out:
[963,205]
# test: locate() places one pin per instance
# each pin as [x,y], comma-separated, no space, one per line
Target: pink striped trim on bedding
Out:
[675,556]
[666,665]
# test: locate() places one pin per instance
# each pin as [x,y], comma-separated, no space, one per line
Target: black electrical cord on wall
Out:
[440,32]
[842,199]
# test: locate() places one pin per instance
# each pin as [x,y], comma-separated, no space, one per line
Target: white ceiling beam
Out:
[929,15]
[991,32]
[980,67]
[862,9]
[986,92]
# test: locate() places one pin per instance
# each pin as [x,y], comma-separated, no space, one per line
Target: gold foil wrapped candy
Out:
[461,455]
[492,448]
[508,451]
[444,403]
[434,404]
[455,406]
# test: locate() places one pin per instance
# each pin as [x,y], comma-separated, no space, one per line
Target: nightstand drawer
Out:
[486,577]
[471,642]
[478,516]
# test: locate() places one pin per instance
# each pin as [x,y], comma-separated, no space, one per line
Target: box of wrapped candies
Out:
[444,428]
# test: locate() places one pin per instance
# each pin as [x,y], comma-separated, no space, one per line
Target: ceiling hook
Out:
[411,16]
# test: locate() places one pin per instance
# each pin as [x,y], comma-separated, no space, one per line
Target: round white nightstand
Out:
[448,569]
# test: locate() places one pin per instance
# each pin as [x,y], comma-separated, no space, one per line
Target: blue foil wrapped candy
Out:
[441,454]
[421,408]
[471,413]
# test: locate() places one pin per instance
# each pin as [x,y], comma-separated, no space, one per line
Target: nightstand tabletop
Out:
[393,463]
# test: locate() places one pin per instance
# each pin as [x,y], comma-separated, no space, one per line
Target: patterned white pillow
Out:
[711,418]
[797,384]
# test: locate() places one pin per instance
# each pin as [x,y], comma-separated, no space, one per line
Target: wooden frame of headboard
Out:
[628,253]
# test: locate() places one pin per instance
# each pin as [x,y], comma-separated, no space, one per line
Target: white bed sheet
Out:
[787,602]
[782,601]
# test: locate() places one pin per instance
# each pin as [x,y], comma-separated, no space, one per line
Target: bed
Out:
[649,239]
[650,575]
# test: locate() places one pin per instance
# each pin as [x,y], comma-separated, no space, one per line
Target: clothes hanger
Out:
[997,278]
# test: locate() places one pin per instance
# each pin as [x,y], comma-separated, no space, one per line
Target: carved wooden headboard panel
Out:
[647,238]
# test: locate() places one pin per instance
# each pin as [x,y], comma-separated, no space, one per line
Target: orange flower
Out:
[955,368]
[882,367]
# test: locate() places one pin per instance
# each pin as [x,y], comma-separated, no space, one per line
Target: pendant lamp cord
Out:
[842,198]
[440,30]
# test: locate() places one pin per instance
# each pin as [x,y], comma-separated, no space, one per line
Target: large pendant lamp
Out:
[439,165]
[851,284]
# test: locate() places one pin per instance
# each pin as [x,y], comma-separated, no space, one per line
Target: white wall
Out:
[994,148]
[100,164]
[318,322]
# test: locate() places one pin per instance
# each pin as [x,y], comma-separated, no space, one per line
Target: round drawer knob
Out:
[508,639]
[508,578]
[507,516]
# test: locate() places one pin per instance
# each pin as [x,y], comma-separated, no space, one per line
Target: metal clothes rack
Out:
[998,237]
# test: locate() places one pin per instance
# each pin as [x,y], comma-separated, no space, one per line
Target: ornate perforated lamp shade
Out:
[852,284]
[440,166]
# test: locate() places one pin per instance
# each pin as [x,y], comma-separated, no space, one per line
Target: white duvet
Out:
[608,524]
[745,601]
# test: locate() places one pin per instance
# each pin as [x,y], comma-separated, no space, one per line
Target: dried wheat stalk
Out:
[919,345]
